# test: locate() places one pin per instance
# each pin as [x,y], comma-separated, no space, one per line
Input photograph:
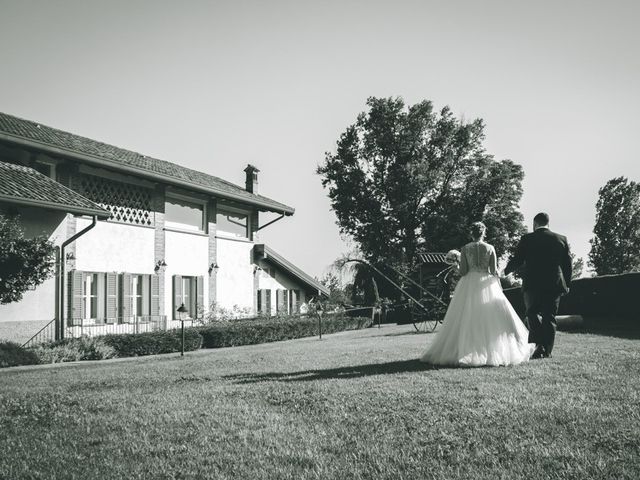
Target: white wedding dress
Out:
[480,326]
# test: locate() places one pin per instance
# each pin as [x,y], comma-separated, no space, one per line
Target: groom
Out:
[545,278]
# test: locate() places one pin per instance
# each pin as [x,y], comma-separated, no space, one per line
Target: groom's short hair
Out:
[542,219]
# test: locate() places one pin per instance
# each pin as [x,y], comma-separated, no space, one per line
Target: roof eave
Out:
[268,254]
[26,202]
[102,162]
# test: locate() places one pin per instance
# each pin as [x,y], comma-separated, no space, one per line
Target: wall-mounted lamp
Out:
[159,265]
[212,267]
[70,256]
[257,269]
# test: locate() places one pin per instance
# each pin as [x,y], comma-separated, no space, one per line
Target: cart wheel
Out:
[422,321]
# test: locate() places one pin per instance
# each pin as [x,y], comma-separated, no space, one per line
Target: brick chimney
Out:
[251,182]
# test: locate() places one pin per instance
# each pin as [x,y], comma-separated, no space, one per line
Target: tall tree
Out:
[24,262]
[577,265]
[404,179]
[337,295]
[615,246]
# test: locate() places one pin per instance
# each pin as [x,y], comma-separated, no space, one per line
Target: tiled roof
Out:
[30,133]
[24,186]
[432,257]
[266,253]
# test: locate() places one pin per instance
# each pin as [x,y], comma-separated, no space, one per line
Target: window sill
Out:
[234,239]
[180,230]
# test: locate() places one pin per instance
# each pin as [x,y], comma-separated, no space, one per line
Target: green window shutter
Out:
[258,301]
[268,302]
[75,301]
[112,297]
[177,294]
[285,301]
[281,301]
[264,305]
[125,297]
[199,311]
[154,308]
[294,301]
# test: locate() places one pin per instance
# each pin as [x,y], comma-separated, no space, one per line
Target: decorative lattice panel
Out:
[127,203]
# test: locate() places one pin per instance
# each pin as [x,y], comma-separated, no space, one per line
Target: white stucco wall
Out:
[186,254]
[280,282]
[235,275]
[37,307]
[115,247]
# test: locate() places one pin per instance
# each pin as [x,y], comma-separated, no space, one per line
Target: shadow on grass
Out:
[625,332]
[353,371]
[413,331]
[618,327]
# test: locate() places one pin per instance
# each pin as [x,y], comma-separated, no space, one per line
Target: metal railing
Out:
[44,335]
[78,327]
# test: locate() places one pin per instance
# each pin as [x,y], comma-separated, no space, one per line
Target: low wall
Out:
[20,331]
[606,296]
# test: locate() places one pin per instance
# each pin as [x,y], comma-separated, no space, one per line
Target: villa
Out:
[138,237]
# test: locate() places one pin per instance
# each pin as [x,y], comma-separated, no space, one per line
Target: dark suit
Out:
[546,276]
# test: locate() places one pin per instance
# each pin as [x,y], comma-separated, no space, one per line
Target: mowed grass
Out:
[355,405]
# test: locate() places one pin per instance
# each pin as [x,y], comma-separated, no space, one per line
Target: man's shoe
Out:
[539,352]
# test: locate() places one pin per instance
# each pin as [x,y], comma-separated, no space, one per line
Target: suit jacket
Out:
[544,256]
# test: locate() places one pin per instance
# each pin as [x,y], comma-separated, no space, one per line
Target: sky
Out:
[215,85]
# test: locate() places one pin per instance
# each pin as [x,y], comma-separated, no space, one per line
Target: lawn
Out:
[355,405]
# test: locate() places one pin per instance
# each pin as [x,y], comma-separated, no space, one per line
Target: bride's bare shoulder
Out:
[488,246]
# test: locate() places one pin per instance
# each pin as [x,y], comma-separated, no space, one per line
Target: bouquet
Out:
[452,257]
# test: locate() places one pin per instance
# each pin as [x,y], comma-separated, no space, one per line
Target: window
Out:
[45,169]
[233,223]
[111,297]
[188,291]
[140,295]
[187,298]
[87,297]
[294,301]
[264,301]
[184,215]
[91,296]
[282,302]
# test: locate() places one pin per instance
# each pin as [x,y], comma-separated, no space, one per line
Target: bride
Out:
[480,326]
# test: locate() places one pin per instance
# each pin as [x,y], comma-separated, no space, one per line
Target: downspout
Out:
[63,262]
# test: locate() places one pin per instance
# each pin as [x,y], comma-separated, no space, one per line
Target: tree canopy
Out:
[24,262]
[408,179]
[615,246]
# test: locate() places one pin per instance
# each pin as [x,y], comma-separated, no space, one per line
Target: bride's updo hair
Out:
[477,229]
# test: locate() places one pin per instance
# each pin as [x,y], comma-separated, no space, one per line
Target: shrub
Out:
[12,354]
[153,343]
[218,313]
[74,349]
[264,330]
[24,262]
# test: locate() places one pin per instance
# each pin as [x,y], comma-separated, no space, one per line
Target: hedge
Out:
[153,343]
[12,355]
[73,350]
[605,296]
[263,330]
